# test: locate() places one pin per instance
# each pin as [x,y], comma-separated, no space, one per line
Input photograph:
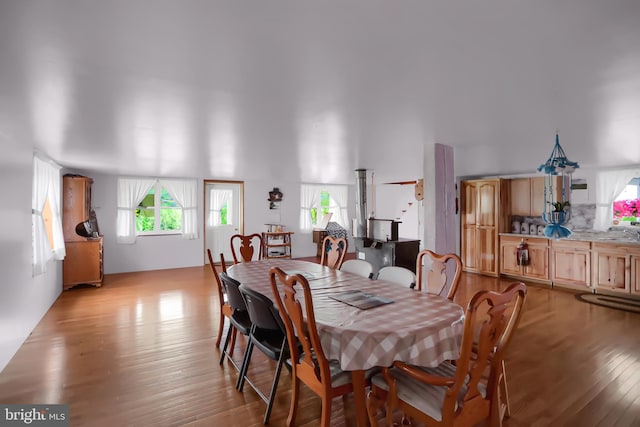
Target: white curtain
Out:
[608,185]
[46,186]
[130,192]
[340,194]
[217,198]
[309,198]
[184,191]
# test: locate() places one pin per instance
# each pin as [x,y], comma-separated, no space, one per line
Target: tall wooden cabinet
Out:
[83,263]
[484,214]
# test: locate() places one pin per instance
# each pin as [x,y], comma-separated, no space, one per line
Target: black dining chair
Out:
[269,335]
[239,320]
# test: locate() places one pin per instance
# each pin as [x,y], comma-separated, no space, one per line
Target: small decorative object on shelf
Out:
[275,197]
[557,212]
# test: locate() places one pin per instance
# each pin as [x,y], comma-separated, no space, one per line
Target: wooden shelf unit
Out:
[277,244]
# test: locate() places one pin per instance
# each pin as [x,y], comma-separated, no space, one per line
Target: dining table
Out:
[365,323]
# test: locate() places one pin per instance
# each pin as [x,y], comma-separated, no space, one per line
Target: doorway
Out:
[223,216]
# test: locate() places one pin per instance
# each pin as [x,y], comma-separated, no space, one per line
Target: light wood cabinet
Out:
[615,267]
[483,217]
[527,195]
[538,265]
[570,264]
[635,275]
[83,262]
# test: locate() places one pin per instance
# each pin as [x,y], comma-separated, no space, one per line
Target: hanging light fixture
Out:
[557,212]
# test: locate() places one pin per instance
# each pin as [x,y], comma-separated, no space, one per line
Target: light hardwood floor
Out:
[140,351]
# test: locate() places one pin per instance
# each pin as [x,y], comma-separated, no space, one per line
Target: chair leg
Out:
[505,393]
[325,417]
[245,365]
[295,394]
[220,329]
[234,334]
[274,387]
[226,342]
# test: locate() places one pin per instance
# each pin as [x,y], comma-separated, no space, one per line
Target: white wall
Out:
[23,299]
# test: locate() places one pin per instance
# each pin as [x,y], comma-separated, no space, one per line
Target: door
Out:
[223,216]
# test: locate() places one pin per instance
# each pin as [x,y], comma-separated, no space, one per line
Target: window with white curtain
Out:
[609,185]
[316,200]
[46,219]
[156,206]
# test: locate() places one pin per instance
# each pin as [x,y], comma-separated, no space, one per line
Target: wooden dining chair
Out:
[438,274]
[358,266]
[397,274]
[225,309]
[460,393]
[334,250]
[309,366]
[239,320]
[246,248]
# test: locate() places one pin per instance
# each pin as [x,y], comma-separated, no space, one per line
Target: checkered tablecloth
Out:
[417,328]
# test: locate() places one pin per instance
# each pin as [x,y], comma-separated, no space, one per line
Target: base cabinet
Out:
[83,263]
[537,267]
[615,267]
[570,263]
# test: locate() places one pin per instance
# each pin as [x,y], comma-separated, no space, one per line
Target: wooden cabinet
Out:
[538,264]
[570,264]
[483,216]
[76,205]
[318,238]
[83,262]
[277,244]
[615,267]
[635,275]
[527,195]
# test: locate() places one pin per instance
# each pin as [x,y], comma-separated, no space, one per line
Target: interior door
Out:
[224,216]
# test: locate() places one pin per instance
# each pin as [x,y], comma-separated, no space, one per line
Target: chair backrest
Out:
[219,286]
[438,274]
[223,264]
[246,248]
[293,298]
[490,320]
[358,266]
[262,312]
[333,251]
[397,274]
[234,297]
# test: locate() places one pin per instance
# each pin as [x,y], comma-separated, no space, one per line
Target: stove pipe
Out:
[360,222]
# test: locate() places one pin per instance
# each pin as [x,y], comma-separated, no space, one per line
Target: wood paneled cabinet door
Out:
[76,205]
[611,267]
[570,263]
[537,267]
[482,218]
[635,275]
[83,263]
[527,195]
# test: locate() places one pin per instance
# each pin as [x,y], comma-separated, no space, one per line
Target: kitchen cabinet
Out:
[527,195]
[318,238]
[570,264]
[537,267]
[615,267]
[484,214]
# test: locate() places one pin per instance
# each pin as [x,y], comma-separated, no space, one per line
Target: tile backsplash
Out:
[582,217]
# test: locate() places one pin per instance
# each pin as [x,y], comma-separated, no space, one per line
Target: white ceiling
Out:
[309,91]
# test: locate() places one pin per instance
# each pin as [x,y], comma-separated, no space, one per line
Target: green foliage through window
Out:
[325,203]
[168,217]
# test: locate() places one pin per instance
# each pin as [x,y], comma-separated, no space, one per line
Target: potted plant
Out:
[560,206]
[558,215]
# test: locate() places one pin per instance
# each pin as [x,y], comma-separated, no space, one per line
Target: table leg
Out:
[359,390]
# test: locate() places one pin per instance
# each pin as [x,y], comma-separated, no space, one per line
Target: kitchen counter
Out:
[613,236]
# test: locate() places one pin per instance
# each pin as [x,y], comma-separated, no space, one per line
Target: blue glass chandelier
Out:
[557,212]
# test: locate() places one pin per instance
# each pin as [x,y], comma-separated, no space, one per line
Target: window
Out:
[158,212]
[627,204]
[316,200]
[47,238]
[156,206]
